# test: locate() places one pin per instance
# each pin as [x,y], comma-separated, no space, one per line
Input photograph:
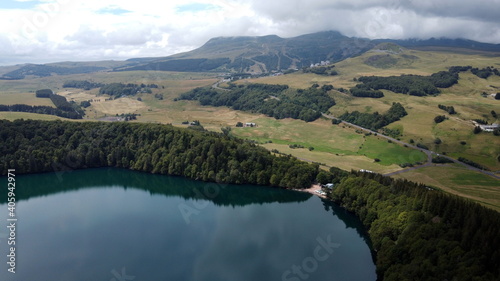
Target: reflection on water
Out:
[110,224]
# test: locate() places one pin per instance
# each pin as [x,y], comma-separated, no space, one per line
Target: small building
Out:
[250,125]
[489,128]
[329,185]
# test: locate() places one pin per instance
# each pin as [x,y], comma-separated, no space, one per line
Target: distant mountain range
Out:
[248,54]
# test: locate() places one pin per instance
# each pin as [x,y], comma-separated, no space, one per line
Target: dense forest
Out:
[43,146]
[364,91]
[43,93]
[423,234]
[277,101]
[415,85]
[375,121]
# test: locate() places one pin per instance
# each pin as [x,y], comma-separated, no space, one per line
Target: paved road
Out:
[216,86]
[429,153]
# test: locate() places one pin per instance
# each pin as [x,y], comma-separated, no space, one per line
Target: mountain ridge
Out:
[250,54]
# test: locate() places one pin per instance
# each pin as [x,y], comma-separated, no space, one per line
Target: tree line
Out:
[375,121]
[119,89]
[278,101]
[423,234]
[82,84]
[41,109]
[31,146]
[472,163]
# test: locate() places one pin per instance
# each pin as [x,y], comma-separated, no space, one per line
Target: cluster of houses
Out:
[249,124]
[365,171]
[489,128]
[486,128]
[328,186]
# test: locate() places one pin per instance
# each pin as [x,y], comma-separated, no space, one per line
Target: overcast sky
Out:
[40,31]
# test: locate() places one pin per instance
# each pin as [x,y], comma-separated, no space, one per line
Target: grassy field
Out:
[343,161]
[332,145]
[23,98]
[457,180]
[419,124]
[174,80]
[24,115]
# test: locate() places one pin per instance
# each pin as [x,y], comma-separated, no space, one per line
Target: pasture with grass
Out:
[320,141]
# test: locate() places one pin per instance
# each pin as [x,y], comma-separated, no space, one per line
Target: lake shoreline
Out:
[313,190]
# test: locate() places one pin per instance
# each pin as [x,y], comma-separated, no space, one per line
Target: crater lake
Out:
[114,225]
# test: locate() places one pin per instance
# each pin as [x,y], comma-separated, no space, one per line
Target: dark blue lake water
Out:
[117,225]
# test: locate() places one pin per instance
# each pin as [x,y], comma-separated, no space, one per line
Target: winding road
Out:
[429,153]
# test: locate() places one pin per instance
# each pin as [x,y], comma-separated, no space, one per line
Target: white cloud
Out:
[119,29]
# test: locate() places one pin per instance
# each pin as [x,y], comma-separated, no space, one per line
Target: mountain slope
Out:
[262,53]
[258,54]
[273,53]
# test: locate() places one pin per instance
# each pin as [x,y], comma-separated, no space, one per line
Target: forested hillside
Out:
[422,234]
[40,146]
[276,101]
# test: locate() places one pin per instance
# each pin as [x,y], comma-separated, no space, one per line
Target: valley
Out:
[320,141]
